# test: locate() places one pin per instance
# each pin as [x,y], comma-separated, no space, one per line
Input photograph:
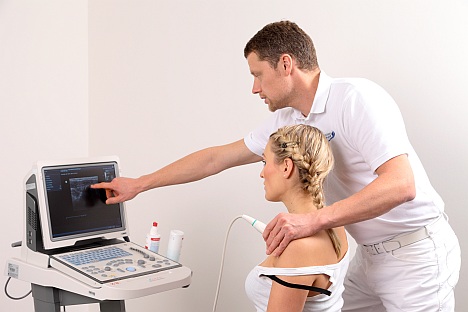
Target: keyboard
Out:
[111,263]
[91,256]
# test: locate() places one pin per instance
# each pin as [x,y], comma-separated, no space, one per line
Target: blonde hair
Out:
[311,153]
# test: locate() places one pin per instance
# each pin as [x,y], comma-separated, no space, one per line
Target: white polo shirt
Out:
[365,129]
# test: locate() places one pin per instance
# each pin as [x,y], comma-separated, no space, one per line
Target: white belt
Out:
[400,240]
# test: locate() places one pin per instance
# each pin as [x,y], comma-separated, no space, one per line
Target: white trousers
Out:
[417,277]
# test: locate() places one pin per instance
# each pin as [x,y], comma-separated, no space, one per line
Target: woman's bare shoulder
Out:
[312,251]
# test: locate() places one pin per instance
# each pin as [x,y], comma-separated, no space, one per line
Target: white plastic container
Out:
[175,245]
[153,238]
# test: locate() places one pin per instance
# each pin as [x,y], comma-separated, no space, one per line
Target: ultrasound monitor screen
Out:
[75,209]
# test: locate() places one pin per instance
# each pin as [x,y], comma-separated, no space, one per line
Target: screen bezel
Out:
[51,242]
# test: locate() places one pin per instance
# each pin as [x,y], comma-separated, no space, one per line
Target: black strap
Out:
[298,286]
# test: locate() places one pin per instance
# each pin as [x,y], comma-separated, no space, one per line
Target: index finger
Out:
[275,236]
[270,226]
[102,185]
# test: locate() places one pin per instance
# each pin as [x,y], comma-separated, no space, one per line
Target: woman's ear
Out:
[288,168]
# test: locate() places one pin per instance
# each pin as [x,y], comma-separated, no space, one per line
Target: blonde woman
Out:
[309,274]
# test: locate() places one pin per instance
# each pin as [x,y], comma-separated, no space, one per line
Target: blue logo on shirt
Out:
[330,136]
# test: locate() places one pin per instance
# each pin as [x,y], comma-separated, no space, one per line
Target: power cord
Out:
[22,297]
[222,262]
[11,297]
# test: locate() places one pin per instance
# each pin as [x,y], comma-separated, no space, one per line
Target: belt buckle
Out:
[375,249]
[380,248]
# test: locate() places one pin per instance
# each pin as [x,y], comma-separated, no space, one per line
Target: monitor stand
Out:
[50,299]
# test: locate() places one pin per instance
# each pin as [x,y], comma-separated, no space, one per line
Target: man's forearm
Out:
[191,168]
[199,165]
[393,187]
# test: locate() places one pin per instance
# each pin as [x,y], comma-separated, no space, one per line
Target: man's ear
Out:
[286,63]
[288,168]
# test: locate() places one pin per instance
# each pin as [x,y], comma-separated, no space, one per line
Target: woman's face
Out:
[273,176]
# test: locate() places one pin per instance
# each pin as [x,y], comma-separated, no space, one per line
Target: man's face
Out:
[269,83]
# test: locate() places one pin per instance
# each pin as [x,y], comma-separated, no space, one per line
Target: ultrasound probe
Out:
[259,226]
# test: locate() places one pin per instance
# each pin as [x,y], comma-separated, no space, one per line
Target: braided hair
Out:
[311,153]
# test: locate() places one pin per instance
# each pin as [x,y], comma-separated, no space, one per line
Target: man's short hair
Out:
[280,38]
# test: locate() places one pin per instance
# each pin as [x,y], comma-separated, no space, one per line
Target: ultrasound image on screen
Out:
[75,209]
[82,194]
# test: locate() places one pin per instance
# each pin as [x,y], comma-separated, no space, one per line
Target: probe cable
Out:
[222,262]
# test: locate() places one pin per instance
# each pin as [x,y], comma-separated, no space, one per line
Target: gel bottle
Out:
[153,238]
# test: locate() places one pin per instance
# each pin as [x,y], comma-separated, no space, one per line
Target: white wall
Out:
[44,105]
[168,78]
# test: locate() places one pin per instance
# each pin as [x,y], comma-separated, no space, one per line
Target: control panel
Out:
[111,263]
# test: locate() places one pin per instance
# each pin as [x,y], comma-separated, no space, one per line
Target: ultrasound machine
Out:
[76,249]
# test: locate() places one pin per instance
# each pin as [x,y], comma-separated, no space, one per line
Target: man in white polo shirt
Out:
[408,257]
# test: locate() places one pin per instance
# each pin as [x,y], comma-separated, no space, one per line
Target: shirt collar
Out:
[320,99]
